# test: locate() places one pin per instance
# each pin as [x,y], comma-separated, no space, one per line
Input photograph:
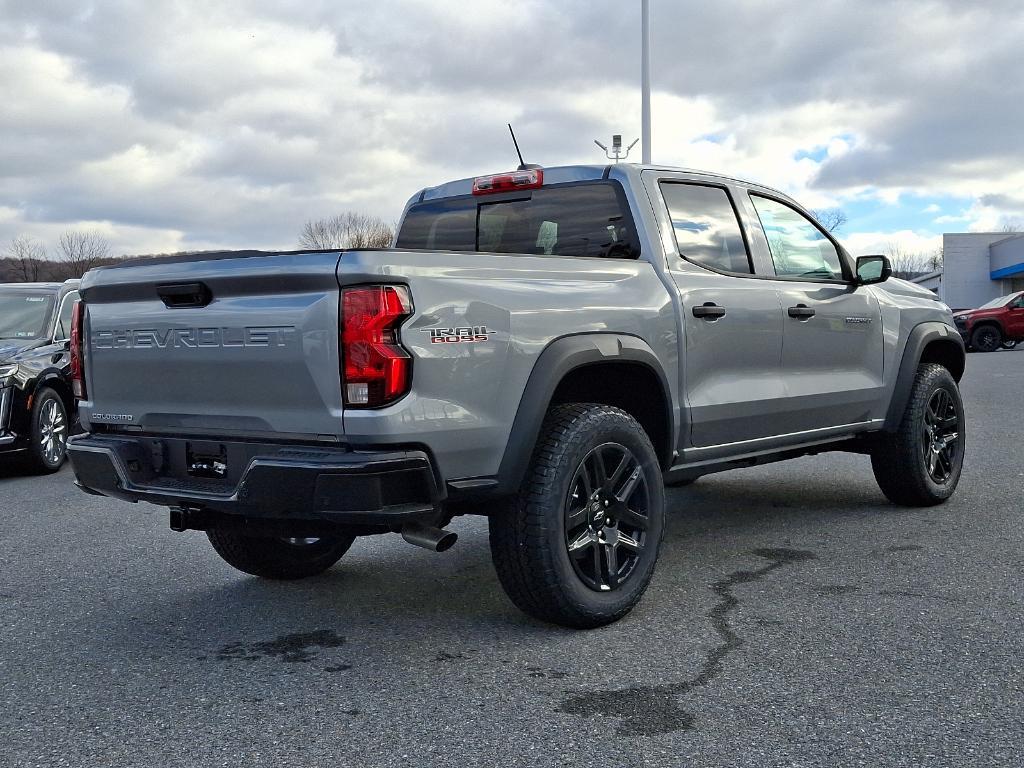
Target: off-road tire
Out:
[276,558]
[986,338]
[45,459]
[898,458]
[528,535]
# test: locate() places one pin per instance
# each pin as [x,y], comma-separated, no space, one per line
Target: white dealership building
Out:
[977,267]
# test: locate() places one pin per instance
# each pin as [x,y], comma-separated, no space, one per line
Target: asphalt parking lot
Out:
[795,619]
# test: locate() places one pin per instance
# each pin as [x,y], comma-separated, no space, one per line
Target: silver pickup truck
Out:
[547,347]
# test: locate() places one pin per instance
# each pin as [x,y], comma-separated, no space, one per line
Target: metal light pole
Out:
[645,80]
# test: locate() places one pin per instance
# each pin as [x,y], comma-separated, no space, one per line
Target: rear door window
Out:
[706,227]
[584,219]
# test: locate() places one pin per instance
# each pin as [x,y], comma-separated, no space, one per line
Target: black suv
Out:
[37,408]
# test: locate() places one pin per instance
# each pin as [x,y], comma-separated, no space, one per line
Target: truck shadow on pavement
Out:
[387,604]
[399,583]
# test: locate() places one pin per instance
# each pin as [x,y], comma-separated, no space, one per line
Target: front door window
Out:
[799,249]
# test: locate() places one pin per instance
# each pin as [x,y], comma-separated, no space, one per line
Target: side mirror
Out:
[873,269]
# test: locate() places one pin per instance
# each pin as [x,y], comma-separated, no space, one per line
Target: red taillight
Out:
[77,363]
[504,182]
[375,368]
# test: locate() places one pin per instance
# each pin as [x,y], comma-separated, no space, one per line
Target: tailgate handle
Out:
[184,295]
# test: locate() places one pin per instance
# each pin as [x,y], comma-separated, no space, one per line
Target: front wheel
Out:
[1009,344]
[919,464]
[987,338]
[279,558]
[49,432]
[578,545]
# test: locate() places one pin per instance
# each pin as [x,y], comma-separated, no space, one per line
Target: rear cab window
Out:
[588,219]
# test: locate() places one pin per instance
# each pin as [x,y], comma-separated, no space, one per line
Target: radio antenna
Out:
[523,165]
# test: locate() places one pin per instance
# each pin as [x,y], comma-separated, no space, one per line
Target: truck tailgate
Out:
[223,344]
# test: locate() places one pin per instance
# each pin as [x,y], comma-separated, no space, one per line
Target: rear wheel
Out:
[49,432]
[987,338]
[1009,344]
[279,558]
[578,546]
[919,464]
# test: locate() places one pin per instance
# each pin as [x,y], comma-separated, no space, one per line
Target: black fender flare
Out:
[919,337]
[559,358]
[987,321]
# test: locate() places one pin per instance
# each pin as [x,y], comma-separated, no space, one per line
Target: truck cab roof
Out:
[563,174]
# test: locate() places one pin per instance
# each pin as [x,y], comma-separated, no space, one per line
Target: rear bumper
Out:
[262,480]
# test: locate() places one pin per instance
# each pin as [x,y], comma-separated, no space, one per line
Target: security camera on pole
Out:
[616,153]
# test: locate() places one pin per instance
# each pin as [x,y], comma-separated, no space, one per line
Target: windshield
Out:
[1000,302]
[24,315]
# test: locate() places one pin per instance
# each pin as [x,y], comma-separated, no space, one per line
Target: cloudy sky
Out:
[170,125]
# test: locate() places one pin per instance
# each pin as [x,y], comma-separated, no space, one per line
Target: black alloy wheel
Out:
[941,441]
[987,338]
[579,542]
[606,517]
[919,463]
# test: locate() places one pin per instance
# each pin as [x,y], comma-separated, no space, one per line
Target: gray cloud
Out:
[230,123]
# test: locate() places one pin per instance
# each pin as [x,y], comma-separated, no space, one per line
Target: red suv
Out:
[1000,323]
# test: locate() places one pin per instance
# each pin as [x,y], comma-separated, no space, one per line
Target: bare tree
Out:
[81,251]
[905,263]
[935,260]
[28,257]
[346,230]
[1012,226]
[832,219]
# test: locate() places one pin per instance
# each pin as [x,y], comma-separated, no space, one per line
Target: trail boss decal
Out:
[464,335]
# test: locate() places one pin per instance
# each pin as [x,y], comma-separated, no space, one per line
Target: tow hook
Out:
[429,537]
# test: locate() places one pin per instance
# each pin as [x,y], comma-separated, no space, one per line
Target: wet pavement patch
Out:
[653,710]
[294,648]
